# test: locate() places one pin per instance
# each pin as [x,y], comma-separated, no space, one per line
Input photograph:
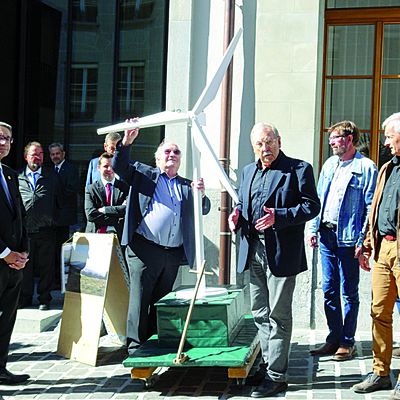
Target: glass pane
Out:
[391,53]
[362,3]
[390,102]
[364,144]
[140,89]
[350,50]
[384,152]
[348,99]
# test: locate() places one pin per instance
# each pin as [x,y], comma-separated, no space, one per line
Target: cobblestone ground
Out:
[53,377]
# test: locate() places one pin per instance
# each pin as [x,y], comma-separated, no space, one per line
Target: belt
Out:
[389,238]
[329,225]
[160,246]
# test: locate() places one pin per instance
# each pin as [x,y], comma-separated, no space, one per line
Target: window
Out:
[361,3]
[136,9]
[361,74]
[83,92]
[130,91]
[84,10]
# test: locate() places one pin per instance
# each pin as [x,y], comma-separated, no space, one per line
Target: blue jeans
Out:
[340,278]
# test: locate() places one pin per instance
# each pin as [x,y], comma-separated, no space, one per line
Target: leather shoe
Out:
[325,349]
[44,307]
[396,353]
[373,383]
[269,388]
[258,377]
[344,353]
[7,378]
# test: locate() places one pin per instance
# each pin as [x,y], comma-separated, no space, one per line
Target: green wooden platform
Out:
[239,357]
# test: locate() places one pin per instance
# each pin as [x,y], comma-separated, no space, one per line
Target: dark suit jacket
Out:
[293,195]
[95,198]
[93,174]
[12,229]
[143,180]
[43,204]
[69,178]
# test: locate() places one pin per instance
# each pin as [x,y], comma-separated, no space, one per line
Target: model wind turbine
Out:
[200,144]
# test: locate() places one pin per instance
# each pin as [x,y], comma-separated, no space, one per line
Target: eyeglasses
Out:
[6,139]
[174,151]
[336,137]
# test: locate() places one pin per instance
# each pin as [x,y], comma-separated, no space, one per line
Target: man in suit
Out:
[158,230]
[105,200]
[42,198]
[346,187]
[69,179]
[13,254]
[110,143]
[277,197]
[382,240]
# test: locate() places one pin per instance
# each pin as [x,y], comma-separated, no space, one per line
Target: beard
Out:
[34,166]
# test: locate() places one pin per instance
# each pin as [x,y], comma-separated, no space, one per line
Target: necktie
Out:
[57,169]
[5,187]
[108,194]
[32,177]
[103,229]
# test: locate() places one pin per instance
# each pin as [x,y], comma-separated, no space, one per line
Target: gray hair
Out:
[112,137]
[159,151]
[394,121]
[8,126]
[260,127]
[56,144]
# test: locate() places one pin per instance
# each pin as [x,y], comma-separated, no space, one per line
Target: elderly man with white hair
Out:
[383,241]
[158,230]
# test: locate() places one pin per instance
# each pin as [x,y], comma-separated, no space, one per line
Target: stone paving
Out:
[53,377]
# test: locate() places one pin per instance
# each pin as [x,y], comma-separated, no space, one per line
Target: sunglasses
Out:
[174,151]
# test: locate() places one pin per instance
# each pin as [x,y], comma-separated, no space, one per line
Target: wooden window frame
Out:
[361,16]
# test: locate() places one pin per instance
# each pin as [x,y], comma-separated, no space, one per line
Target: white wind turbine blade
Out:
[210,91]
[205,148]
[161,118]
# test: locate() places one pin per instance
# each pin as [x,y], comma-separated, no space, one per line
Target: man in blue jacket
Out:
[158,230]
[277,197]
[345,187]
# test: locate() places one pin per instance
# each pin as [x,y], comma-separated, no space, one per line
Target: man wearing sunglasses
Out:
[13,254]
[158,230]
[346,186]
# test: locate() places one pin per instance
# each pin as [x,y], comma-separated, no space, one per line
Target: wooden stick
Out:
[181,357]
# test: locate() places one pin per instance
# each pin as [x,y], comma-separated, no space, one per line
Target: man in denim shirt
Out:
[345,187]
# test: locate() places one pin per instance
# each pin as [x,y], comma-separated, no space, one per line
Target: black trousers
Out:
[10,286]
[41,263]
[152,272]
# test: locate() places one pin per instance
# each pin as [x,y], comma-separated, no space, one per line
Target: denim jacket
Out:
[356,204]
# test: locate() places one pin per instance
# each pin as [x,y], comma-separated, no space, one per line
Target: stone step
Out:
[32,320]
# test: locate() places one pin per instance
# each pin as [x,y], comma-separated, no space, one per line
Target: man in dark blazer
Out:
[42,197]
[158,230]
[106,214]
[13,254]
[276,197]
[67,217]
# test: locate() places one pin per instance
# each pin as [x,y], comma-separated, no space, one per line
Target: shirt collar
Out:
[165,175]
[104,182]
[395,160]
[59,165]
[29,171]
